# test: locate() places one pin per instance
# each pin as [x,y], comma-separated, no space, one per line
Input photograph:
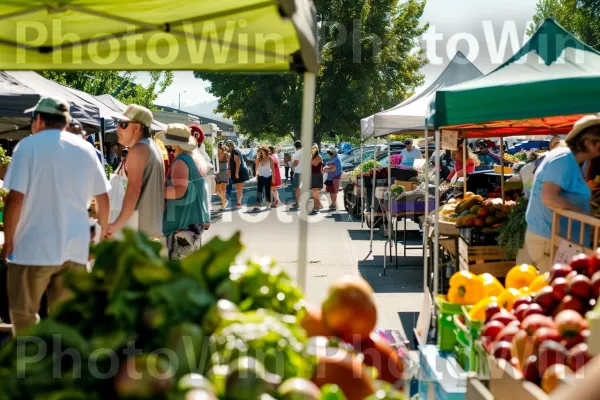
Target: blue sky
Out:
[448,18]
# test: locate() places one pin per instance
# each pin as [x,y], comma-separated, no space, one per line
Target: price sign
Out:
[566,251]
[450,140]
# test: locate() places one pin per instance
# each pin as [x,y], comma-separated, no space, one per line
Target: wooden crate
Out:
[476,390]
[480,259]
[506,383]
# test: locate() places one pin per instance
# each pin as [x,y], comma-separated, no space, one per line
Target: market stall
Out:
[528,336]
[407,117]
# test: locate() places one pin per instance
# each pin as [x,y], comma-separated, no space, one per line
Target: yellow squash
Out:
[465,288]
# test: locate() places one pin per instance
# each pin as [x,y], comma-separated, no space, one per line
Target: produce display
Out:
[202,328]
[475,211]
[595,203]
[542,331]
[365,168]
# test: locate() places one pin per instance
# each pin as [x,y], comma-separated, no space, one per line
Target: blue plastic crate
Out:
[441,378]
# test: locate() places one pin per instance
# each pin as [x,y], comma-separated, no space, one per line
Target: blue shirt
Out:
[338,167]
[409,157]
[559,167]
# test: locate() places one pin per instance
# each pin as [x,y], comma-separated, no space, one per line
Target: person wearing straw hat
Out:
[186,213]
[143,204]
[52,179]
[559,183]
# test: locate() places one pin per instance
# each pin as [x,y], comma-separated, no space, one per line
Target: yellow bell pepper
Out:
[539,282]
[465,288]
[507,298]
[492,286]
[521,276]
[477,312]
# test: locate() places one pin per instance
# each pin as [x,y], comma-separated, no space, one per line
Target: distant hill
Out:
[204,109]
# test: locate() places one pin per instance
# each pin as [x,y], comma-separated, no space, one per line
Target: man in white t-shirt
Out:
[297,168]
[52,179]
[410,153]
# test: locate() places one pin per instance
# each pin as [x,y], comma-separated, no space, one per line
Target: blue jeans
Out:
[229,189]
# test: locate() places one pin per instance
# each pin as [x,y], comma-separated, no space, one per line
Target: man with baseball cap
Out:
[145,170]
[52,179]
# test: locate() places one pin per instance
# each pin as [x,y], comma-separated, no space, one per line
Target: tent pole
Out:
[426,221]
[373,196]
[502,168]
[389,176]
[464,160]
[436,249]
[101,139]
[362,191]
[308,121]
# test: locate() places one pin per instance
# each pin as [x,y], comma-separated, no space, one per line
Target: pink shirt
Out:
[458,167]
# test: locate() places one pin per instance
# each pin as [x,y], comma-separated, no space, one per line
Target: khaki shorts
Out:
[539,249]
[27,284]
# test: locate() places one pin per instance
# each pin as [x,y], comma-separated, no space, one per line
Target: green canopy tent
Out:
[543,89]
[201,35]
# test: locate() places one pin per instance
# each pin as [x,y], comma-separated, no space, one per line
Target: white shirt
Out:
[59,173]
[409,157]
[297,157]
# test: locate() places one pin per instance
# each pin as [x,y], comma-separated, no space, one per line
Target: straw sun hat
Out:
[582,124]
[178,135]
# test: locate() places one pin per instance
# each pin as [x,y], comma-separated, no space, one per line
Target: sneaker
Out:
[332,207]
[295,205]
[256,209]
[314,211]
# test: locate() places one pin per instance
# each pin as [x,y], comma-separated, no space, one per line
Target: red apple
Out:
[502,350]
[503,316]
[594,263]
[578,356]
[536,321]
[570,342]
[559,288]
[545,298]
[491,309]
[534,309]
[507,333]
[572,275]
[591,304]
[581,286]
[544,334]
[596,284]
[560,271]
[570,323]
[521,300]
[570,303]
[551,353]
[580,263]
[530,370]
[492,329]
[520,311]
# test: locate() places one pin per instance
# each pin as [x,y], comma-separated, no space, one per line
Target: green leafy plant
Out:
[4,159]
[108,170]
[512,233]
[397,190]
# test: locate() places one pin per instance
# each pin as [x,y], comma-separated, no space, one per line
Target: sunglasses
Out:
[125,124]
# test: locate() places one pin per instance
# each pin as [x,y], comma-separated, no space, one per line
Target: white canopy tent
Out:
[409,117]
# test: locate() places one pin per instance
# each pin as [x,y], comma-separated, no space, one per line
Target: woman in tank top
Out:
[186,213]
[276,177]
[264,176]
[316,177]
[223,175]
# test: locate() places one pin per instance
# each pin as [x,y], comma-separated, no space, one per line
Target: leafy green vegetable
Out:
[512,233]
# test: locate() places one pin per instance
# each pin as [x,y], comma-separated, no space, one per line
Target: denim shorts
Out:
[296,181]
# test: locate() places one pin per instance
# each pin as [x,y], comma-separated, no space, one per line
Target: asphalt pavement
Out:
[337,246]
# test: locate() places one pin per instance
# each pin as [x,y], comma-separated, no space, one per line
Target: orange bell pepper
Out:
[478,310]
[465,288]
[539,282]
[520,276]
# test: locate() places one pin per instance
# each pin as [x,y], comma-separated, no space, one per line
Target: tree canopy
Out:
[581,17]
[369,62]
[121,85]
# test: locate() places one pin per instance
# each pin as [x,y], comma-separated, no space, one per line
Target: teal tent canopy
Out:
[545,87]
